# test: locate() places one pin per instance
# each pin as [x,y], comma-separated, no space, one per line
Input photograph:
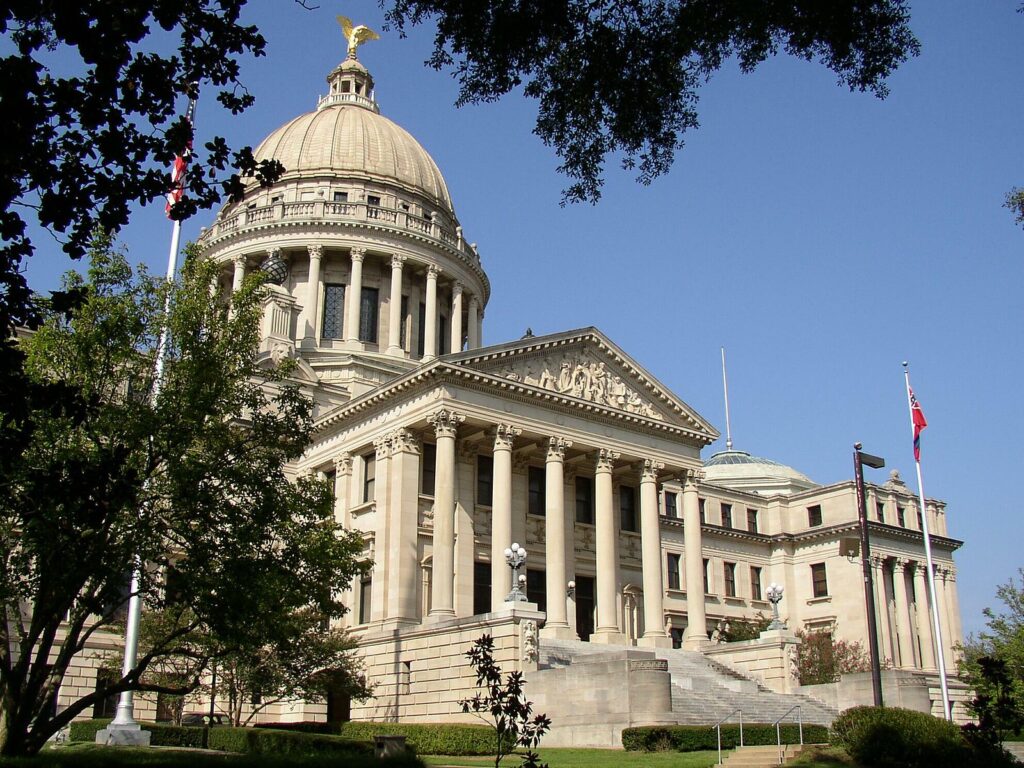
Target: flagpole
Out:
[936,625]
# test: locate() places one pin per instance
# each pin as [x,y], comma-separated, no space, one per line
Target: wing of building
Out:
[444,451]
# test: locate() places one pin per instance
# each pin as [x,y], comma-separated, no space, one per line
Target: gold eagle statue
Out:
[356,35]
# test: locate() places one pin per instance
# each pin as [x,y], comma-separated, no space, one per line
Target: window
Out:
[334,311]
[481,587]
[365,592]
[673,567]
[814,515]
[727,515]
[755,583]
[484,480]
[627,509]
[535,494]
[537,589]
[880,511]
[369,476]
[671,504]
[703,518]
[403,331]
[373,200]
[729,572]
[340,197]
[707,580]
[443,342]
[751,520]
[585,500]
[901,517]
[920,521]
[421,332]
[819,581]
[369,304]
[107,706]
[429,469]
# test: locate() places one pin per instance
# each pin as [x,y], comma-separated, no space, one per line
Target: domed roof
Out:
[741,471]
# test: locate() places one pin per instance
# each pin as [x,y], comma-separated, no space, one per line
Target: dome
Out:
[743,472]
[344,139]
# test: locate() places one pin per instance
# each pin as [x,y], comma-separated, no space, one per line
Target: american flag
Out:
[180,165]
[917,416]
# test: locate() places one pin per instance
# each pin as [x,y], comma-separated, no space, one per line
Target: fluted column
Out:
[696,618]
[924,623]
[342,482]
[650,543]
[473,322]
[312,303]
[430,329]
[902,607]
[555,525]
[403,514]
[383,538]
[956,632]
[395,307]
[456,318]
[501,513]
[607,545]
[942,596]
[445,424]
[354,299]
[882,610]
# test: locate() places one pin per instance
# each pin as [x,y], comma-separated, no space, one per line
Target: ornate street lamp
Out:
[515,556]
[775,597]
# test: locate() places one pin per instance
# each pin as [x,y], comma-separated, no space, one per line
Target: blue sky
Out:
[820,236]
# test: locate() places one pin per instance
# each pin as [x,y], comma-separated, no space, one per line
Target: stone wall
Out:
[768,659]
[900,688]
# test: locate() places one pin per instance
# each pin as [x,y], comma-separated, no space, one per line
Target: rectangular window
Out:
[403,330]
[365,591]
[373,200]
[751,520]
[707,577]
[673,564]
[334,311]
[481,587]
[814,515]
[535,494]
[920,522]
[369,476]
[537,589]
[729,572]
[585,500]
[484,480]
[703,517]
[755,583]
[880,511]
[421,331]
[819,581]
[671,505]
[429,469]
[901,518]
[627,509]
[443,342]
[107,706]
[727,515]
[369,301]
[341,197]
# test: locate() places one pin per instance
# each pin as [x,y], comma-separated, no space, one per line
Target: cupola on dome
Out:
[741,471]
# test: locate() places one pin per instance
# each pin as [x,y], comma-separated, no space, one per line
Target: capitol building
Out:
[641,550]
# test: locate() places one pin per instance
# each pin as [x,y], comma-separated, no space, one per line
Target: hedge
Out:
[429,738]
[163,735]
[691,738]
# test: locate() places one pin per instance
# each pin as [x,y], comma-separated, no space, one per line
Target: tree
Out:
[193,483]
[505,702]
[1015,202]
[623,76]
[823,659]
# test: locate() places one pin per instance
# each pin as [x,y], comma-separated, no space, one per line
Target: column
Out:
[956,632]
[402,514]
[885,650]
[353,298]
[607,545]
[239,274]
[474,320]
[942,596]
[696,636]
[480,327]
[501,513]
[555,524]
[383,534]
[316,253]
[445,424]
[924,617]
[650,543]
[430,330]
[342,482]
[902,607]
[456,318]
[395,307]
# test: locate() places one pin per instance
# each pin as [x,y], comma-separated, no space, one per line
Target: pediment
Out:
[586,366]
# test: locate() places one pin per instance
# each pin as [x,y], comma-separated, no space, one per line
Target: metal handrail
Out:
[778,728]
[718,728]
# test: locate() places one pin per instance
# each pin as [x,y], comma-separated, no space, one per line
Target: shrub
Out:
[823,659]
[691,738]
[429,738]
[262,741]
[304,726]
[162,735]
[890,737]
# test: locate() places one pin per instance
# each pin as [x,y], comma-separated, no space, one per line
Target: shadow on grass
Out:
[824,757]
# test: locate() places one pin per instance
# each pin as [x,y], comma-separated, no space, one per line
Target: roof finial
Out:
[725,388]
[356,35]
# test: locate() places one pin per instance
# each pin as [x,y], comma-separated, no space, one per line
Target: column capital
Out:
[691,477]
[433,271]
[877,561]
[343,464]
[240,259]
[383,446]
[316,251]
[445,422]
[606,459]
[457,289]
[649,470]
[474,300]
[557,447]
[404,441]
[357,254]
[398,260]
[505,435]
[900,564]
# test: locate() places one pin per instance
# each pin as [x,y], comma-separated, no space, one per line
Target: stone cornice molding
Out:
[504,436]
[605,460]
[445,422]
[556,448]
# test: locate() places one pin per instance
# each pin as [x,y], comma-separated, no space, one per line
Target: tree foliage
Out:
[101,473]
[623,76]
[1015,202]
[821,658]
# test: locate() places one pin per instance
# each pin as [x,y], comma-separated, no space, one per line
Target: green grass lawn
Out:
[591,758]
[824,757]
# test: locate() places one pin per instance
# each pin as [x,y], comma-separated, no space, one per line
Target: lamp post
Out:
[875,462]
[515,556]
[774,595]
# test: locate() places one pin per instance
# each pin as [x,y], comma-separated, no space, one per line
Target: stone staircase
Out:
[761,757]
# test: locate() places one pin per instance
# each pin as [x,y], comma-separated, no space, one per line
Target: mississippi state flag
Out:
[917,416]
[180,166]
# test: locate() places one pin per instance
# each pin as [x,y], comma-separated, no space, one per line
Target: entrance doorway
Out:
[584,606]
